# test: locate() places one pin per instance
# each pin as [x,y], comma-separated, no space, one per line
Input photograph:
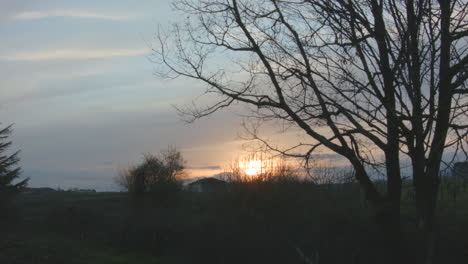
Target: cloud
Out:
[214,167]
[72,13]
[72,54]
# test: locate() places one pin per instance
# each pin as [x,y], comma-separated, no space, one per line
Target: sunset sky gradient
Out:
[79,87]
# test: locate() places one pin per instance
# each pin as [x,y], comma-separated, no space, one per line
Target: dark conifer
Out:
[9,169]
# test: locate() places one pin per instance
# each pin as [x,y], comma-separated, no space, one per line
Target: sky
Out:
[78,86]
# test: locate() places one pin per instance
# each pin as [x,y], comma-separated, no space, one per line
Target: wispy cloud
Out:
[33,15]
[214,167]
[72,54]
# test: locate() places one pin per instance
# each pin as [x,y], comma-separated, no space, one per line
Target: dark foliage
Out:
[9,170]
[251,222]
[157,174]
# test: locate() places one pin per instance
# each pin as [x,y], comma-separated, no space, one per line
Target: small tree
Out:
[156,174]
[9,170]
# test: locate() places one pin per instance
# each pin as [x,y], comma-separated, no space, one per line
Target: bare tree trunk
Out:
[426,200]
[386,211]
[389,219]
[427,186]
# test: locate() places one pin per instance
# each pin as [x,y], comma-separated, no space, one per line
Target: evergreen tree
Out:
[9,169]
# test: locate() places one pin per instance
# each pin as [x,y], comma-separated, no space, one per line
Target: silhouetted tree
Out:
[156,174]
[9,169]
[372,81]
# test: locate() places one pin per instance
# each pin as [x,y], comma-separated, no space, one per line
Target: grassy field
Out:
[252,223]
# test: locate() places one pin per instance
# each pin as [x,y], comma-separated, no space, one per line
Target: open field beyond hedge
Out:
[250,223]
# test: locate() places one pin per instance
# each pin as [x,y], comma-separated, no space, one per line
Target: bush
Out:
[157,174]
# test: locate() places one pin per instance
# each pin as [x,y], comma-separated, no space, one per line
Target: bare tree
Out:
[174,163]
[156,174]
[361,78]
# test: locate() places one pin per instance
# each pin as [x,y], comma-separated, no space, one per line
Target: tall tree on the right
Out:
[374,81]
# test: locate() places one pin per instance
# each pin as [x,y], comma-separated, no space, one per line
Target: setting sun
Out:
[253,167]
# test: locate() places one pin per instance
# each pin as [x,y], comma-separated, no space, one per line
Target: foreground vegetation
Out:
[252,222]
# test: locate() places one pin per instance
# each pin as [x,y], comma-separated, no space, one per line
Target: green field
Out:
[251,223]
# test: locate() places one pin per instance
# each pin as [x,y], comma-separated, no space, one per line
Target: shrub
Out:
[157,174]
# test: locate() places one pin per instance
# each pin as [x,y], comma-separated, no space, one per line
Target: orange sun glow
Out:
[253,167]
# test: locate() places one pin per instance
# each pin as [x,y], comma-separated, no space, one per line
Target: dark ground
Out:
[252,223]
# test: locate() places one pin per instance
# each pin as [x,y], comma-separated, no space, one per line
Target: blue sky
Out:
[77,83]
[80,90]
